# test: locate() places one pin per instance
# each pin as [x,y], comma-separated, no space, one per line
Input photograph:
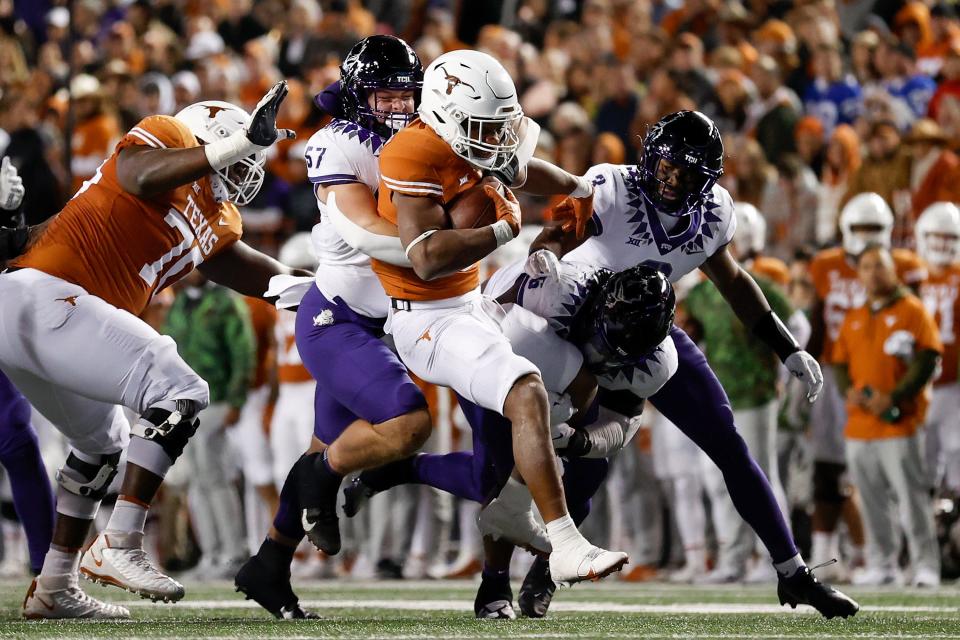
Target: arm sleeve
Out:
[387,249]
[241,351]
[159,132]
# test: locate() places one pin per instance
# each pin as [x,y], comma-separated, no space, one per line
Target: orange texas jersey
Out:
[940,296]
[89,145]
[264,318]
[836,283]
[771,268]
[289,365]
[123,248]
[417,162]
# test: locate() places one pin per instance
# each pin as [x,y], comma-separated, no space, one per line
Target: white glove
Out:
[542,263]
[11,186]
[805,368]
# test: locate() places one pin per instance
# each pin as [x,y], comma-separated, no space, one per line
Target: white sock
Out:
[58,562]
[696,558]
[563,533]
[128,517]
[515,496]
[789,567]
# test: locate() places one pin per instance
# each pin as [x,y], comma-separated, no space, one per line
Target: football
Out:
[473,208]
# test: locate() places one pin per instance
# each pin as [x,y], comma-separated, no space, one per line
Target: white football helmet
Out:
[470,100]
[297,252]
[212,120]
[865,209]
[751,234]
[938,234]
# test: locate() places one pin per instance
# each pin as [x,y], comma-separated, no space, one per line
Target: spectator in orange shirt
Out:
[885,358]
[95,132]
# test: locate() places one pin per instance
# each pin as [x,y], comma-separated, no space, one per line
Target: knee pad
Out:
[827,482]
[88,479]
[170,424]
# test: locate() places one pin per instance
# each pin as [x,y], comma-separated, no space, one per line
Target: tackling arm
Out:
[352,211]
[145,172]
[246,270]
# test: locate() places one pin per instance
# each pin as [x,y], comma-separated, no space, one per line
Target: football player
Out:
[866,218]
[444,330]
[938,244]
[162,204]
[668,212]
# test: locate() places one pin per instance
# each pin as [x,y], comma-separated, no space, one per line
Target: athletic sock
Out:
[129,515]
[563,534]
[59,562]
[390,475]
[276,555]
[789,568]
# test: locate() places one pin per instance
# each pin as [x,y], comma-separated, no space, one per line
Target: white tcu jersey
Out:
[558,300]
[630,232]
[343,152]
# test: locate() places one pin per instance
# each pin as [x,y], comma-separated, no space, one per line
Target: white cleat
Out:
[926,577]
[519,527]
[584,562]
[60,597]
[119,559]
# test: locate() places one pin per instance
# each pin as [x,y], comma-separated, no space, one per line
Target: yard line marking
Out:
[706,608]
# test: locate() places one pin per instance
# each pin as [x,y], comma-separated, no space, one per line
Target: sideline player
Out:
[866,218]
[161,205]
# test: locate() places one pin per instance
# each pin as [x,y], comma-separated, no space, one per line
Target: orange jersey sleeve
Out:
[910,268]
[418,163]
[773,269]
[124,248]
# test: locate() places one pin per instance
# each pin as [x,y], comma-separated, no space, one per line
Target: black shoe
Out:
[387,569]
[804,588]
[318,488]
[355,496]
[271,589]
[537,590]
[323,529]
[494,600]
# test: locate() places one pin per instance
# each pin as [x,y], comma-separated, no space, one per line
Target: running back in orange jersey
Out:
[941,296]
[417,162]
[123,248]
[836,284]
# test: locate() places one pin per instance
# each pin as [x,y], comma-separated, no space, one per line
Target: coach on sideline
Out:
[885,357]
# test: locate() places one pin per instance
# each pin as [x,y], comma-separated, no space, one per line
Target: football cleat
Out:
[60,597]
[119,559]
[355,496]
[584,562]
[521,528]
[271,589]
[494,600]
[323,529]
[537,590]
[804,588]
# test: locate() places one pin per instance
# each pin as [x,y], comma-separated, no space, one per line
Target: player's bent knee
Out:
[88,478]
[170,424]
[167,376]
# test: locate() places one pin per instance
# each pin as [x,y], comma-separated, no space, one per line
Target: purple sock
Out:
[451,472]
[582,478]
[20,456]
[287,519]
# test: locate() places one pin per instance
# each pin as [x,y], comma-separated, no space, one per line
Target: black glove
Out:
[262,130]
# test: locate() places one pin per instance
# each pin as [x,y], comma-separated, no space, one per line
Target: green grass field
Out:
[416,610]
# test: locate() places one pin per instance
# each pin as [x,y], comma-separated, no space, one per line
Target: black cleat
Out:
[537,590]
[323,529]
[355,496]
[804,588]
[271,589]
[494,600]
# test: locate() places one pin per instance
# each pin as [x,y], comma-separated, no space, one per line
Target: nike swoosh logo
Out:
[307,525]
[222,223]
[49,607]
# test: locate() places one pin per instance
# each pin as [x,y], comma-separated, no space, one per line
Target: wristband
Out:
[775,334]
[502,232]
[226,151]
[583,189]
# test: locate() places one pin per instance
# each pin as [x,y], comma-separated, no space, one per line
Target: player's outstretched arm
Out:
[436,251]
[145,172]
[245,270]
